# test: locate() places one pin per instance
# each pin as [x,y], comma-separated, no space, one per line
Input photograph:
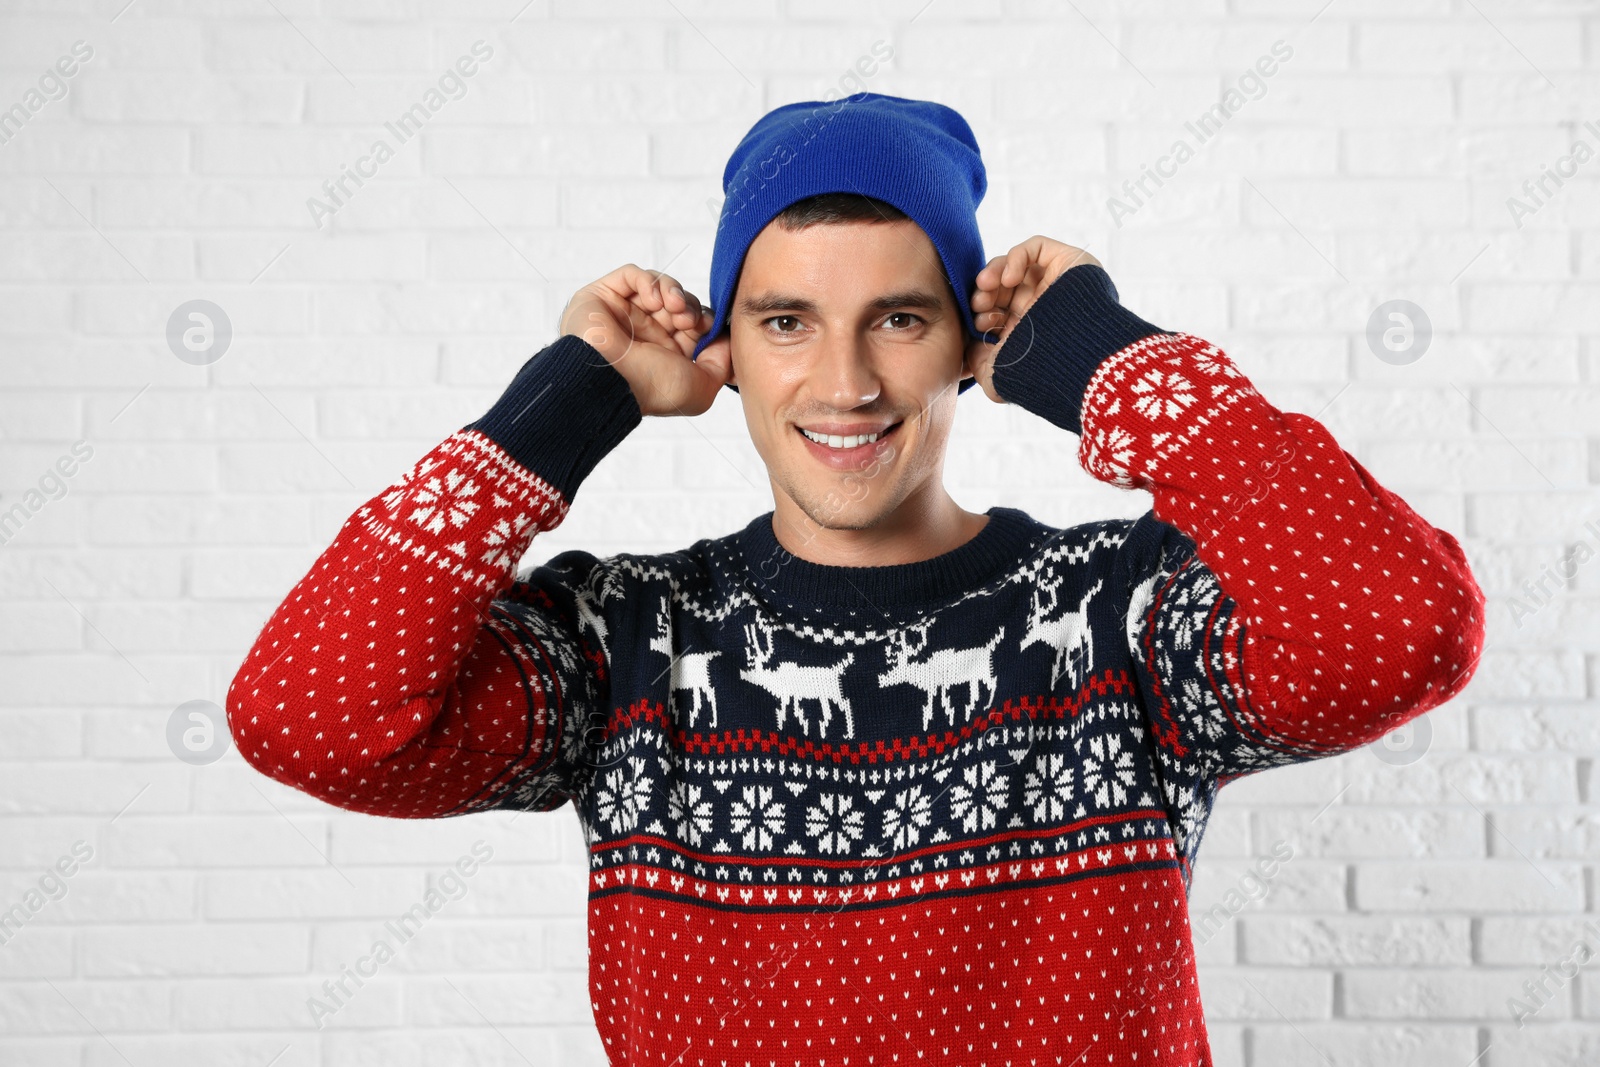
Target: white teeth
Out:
[835,441]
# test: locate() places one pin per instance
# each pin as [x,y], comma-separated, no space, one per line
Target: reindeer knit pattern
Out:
[943,811]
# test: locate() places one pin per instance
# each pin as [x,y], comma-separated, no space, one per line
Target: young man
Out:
[875,779]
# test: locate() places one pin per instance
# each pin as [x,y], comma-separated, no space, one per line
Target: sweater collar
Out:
[787,579]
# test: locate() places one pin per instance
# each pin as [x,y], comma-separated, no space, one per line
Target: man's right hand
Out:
[647,325]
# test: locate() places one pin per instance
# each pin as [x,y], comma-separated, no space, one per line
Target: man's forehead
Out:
[912,277]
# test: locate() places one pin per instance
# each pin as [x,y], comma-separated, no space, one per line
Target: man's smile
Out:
[840,450]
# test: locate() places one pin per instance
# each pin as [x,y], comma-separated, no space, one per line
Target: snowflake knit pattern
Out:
[939,811]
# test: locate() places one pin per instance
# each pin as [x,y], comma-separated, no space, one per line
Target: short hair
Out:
[827,208]
[824,208]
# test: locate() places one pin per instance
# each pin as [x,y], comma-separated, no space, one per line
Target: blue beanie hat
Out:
[917,155]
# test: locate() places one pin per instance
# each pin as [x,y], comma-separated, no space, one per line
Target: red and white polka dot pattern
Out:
[1091,973]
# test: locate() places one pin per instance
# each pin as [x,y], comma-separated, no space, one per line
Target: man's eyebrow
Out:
[768,302]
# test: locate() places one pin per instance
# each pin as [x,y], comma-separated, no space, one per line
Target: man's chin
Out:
[841,504]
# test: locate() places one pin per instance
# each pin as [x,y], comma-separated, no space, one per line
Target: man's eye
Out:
[781,318]
[904,315]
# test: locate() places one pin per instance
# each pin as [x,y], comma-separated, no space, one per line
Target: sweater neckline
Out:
[784,577]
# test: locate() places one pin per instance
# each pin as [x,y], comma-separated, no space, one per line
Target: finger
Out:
[653,320]
[713,369]
[980,364]
[639,287]
[692,311]
[662,312]
[1017,261]
[989,299]
[646,326]
[667,303]
[989,320]
[1045,251]
[1025,295]
[989,276]
[691,302]
[682,306]
[659,301]
[989,292]
[672,295]
[1043,248]
[998,293]
[716,359]
[674,322]
[700,330]
[687,336]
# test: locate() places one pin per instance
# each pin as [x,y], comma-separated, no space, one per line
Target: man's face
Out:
[847,329]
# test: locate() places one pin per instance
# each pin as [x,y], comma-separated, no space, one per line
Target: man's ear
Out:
[973,355]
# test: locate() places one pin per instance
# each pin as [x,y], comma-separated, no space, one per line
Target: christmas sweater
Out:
[941,811]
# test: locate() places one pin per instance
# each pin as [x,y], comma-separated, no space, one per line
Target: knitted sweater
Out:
[937,811]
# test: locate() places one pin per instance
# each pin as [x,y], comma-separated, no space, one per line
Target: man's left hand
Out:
[1007,286]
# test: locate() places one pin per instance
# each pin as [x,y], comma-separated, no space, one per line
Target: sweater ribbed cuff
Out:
[566,409]
[1051,353]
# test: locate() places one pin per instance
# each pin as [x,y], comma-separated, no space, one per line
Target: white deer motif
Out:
[690,670]
[587,598]
[793,683]
[1068,634]
[1138,605]
[942,671]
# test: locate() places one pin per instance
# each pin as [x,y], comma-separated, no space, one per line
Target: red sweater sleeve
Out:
[409,673]
[1295,607]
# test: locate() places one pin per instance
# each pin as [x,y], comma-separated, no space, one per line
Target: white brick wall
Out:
[1419,897]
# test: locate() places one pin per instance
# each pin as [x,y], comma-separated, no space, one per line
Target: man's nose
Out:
[844,375]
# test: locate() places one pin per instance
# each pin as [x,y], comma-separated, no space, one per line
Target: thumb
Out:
[979,362]
[714,369]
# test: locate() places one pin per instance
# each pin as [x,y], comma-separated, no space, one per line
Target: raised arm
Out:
[409,673]
[1291,607]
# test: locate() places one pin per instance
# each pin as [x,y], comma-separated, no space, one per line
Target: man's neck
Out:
[922,527]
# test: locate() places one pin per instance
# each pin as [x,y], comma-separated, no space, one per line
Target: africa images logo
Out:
[452,85]
[1251,85]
